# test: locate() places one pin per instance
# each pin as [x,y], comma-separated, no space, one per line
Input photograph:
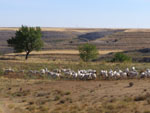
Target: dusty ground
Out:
[40,96]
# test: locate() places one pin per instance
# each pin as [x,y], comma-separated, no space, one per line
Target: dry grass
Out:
[82,30]
[137,30]
[101,52]
[31,95]
[73,96]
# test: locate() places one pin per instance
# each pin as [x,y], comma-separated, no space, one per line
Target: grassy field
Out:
[20,93]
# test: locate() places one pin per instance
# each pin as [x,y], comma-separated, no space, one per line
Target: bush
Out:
[1,72]
[131,84]
[88,52]
[121,57]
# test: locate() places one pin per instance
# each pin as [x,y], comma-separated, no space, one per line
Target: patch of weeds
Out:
[23,100]
[59,92]
[91,110]
[69,100]
[42,102]
[142,97]
[74,107]
[56,98]
[58,108]
[91,91]
[145,90]
[55,111]
[74,111]
[9,88]
[139,98]
[146,111]
[43,109]
[19,110]
[112,100]
[11,106]
[31,108]
[21,93]
[67,93]
[148,101]
[1,72]
[61,101]
[128,99]
[137,112]
[31,103]
[122,105]
[99,85]
[42,94]
[109,106]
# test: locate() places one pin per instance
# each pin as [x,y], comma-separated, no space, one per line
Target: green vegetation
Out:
[27,39]
[88,52]
[121,57]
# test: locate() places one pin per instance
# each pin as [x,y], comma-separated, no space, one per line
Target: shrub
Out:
[140,98]
[121,57]
[88,52]
[56,98]
[146,111]
[131,84]
[67,93]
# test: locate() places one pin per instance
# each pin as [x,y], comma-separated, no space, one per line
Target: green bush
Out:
[1,72]
[88,52]
[121,57]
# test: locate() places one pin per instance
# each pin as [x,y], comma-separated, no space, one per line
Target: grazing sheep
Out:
[21,71]
[9,70]
[57,71]
[145,74]
[53,75]
[104,73]
[132,74]
[133,69]
[42,71]
[88,74]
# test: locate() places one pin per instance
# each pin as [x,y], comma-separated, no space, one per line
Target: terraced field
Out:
[69,38]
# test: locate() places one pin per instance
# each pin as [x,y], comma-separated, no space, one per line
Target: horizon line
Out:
[81,27]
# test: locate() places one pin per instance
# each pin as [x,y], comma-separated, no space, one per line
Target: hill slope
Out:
[69,38]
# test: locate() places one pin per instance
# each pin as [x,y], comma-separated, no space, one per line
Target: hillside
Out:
[70,38]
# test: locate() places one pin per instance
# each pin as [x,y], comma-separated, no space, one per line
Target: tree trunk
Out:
[27,54]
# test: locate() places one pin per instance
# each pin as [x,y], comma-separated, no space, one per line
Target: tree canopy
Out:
[88,52]
[121,57]
[26,40]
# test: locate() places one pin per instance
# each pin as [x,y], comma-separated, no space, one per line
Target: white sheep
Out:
[42,71]
[9,70]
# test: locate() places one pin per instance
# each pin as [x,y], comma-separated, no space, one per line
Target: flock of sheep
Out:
[89,74]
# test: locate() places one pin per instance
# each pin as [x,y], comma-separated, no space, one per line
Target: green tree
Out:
[26,40]
[88,52]
[121,57]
